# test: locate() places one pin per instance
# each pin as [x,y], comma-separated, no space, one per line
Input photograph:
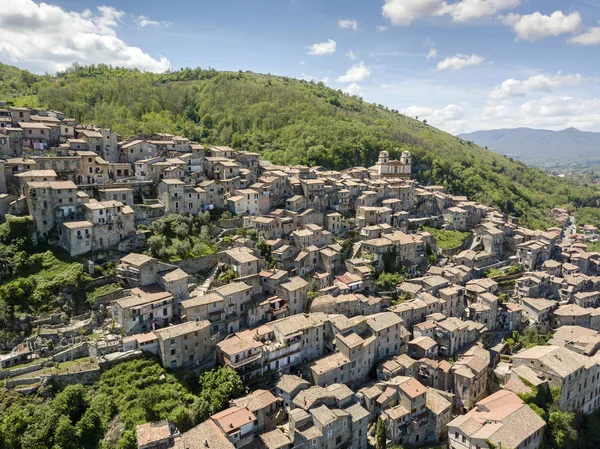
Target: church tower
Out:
[382,163]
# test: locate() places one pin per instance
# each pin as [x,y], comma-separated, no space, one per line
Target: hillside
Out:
[290,122]
[539,146]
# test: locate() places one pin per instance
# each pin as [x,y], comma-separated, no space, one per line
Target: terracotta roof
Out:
[136,259]
[182,329]
[153,432]
[233,418]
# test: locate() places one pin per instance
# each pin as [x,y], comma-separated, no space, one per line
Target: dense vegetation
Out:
[290,121]
[105,415]
[31,281]
[564,429]
[528,338]
[177,237]
[588,216]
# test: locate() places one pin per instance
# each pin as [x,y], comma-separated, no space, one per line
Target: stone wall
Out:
[76,352]
[197,264]
[99,282]
[107,298]
[133,242]
[87,377]
[232,223]
[98,350]
[110,360]
[146,214]
[18,371]
[12,383]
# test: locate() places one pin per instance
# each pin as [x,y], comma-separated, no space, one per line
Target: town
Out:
[354,305]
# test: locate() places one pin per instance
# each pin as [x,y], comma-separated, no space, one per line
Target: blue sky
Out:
[461,64]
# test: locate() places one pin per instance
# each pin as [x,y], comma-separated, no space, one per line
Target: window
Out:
[172,351]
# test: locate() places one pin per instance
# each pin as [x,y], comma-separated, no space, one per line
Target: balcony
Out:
[243,361]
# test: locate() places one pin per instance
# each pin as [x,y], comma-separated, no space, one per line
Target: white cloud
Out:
[353,89]
[348,23]
[403,12]
[477,9]
[351,55]
[323,48]
[357,73]
[536,83]
[537,26]
[44,37]
[381,28]
[459,61]
[590,37]
[547,112]
[145,21]
[449,118]
[433,53]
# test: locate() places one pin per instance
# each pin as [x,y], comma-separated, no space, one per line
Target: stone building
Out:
[50,204]
[185,345]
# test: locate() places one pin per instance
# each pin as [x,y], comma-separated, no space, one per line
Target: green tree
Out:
[380,435]
[65,435]
[562,432]
[389,281]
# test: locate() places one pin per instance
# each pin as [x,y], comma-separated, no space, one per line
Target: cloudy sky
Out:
[463,65]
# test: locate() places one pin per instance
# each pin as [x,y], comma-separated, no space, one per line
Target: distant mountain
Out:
[537,146]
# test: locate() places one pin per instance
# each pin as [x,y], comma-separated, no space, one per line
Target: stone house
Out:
[223,307]
[470,380]
[143,310]
[245,202]
[136,150]
[366,216]
[455,218]
[122,194]
[242,353]
[502,419]
[185,345]
[294,292]
[76,237]
[113,222]
[538,310]
[35,135]
[263,405]
[237,424]
[576,375]
[170,193]
[572,315]
[50,204]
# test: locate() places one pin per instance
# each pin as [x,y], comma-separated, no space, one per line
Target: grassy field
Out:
[448,239]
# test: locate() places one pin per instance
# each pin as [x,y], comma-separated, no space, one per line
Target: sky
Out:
[463,65]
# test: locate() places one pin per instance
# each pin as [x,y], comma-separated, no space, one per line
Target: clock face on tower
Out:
[407,169]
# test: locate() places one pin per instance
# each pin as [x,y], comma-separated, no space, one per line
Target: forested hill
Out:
[290,122]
